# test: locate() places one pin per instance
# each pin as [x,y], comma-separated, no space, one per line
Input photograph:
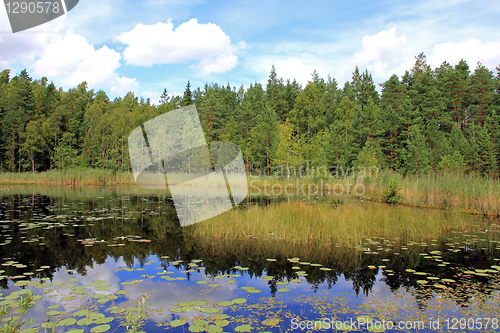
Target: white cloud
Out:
[294,68]
[471,51]
[122,85]
[20,48]
[72,60]
[160,43]
[382,53]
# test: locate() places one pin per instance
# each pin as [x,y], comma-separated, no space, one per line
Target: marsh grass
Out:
[68,177]
[302,223]
[467,193]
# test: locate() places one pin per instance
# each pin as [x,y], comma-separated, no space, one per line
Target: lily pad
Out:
[100,328]
[178,322]
[271,322]
[194,328]
[243,328]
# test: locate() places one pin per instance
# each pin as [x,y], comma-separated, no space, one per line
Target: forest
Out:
[428,120]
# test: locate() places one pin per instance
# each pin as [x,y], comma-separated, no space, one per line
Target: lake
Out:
[100,258]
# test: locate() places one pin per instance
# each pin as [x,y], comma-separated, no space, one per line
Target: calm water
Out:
[90,253]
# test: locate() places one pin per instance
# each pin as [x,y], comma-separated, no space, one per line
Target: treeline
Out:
[447,118]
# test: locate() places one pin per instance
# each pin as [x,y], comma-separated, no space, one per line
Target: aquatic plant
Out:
[14,323]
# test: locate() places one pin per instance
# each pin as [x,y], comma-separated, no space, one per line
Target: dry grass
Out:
[298,222]
[68,177]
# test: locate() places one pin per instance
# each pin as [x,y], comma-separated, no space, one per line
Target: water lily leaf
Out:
[194,328]
[225,303]
[243,328]
[220,316]
[85,321]
[200,322]
[48,324]
[213,329]
[221,322]
[100,328]
[239,300]
[67,322]
[374,329]
[95,315]
[83,312]
[364,318]
[209,310]
[104,320]
[271,322]
[178,322]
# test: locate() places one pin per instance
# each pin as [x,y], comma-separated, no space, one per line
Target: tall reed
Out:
[68,177]
[298,222]
[468,193]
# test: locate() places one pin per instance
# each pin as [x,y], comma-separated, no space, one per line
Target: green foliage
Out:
[391,193]
[368,162]
[452,163]
[422,122]
[15,323]
[417,152]
[134,318]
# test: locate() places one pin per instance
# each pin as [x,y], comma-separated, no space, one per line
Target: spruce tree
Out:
[187,98]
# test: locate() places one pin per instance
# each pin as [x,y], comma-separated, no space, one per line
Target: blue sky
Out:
[146,46]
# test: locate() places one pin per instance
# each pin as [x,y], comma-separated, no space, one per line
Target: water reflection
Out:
[86,230]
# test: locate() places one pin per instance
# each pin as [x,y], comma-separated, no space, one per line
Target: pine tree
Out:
[417,154]
[331,99]
[287,151]
[212,111]
[308,115]
[246,119]
[482,93]
[276,95]
[164,98]
[264,137]
[394,108]
[345,114]
[338,146]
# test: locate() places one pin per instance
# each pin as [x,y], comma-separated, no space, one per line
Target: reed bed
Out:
[467,193]
[298,222]
[68,177]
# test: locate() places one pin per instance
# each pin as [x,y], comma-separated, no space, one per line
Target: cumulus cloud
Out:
[294,68]
[382,53]
[471,51]
[70,59]
[17,48]
[205,44]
